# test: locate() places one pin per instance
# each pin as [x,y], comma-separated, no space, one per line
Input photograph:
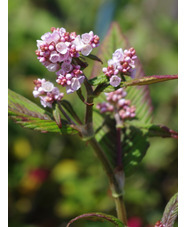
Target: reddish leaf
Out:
[99,217]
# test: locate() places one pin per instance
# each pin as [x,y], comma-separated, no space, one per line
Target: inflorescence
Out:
[57,51]
[123,63]
[117,105]
[47,93]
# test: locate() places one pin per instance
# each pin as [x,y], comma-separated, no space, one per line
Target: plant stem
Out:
[119,148]
[65,114]
[114,184]
[116,179]
[102,157]
[121,210]
[89,102]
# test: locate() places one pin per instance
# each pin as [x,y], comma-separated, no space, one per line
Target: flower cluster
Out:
[47,93]
[116,103]
[58,49]
[122,62]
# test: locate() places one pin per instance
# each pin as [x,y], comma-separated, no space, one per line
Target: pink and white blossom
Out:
[115,81]
[57,51]
[117,105]
[122,62]
[47,93]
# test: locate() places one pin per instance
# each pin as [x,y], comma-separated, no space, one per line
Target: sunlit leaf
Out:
[98,217]
[30,115]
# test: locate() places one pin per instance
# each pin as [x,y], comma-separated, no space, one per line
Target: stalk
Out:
[65,114]
[116,179]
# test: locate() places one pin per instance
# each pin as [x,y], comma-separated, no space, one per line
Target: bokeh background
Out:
[54,178]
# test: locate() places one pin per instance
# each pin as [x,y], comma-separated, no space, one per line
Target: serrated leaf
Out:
[140,98]
[98,217]
[157,131]
[134,146]
[171,212]
[98,80]
[30,115]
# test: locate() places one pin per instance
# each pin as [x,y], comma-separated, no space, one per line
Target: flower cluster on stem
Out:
[123,63]
[118,105]
[47,93]
[58,49]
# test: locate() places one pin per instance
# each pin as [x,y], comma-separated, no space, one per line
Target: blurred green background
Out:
[54,178]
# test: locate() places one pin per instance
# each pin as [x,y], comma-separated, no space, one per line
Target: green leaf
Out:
[155,130]
[171,212]
[94,57]
[98,217]
[134,140]
[135,146]
[98,80]
[30,115]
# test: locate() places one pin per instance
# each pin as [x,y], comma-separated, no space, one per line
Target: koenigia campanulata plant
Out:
[118,113]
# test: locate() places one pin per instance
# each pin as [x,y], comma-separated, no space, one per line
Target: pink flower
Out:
[47,93]
[57,51]
[67,67]
[52,67]
[87,37]
[117,105]
[54,57]
[62,48]
[115,81]
[118,55]
[122,62]
[86,50]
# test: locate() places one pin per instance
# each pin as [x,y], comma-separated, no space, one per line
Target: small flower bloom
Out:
[86,50]
[118,55]
[52,67]
[66,67]
[115,81]
[117,105]
[47,93]
[47,86]
[86,38]
[54,57]
[62,48]
[122,62]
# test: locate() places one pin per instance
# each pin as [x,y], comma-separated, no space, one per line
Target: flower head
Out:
[47,93]
[117,104]
[58,49]
[122,62]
